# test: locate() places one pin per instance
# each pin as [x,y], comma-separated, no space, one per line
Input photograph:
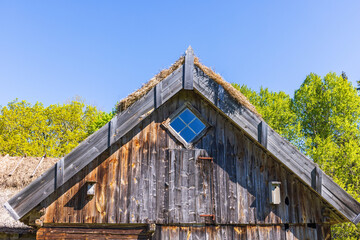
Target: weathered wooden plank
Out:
[143,194]
[316,179]
[191,188]
[184,188]
[59,174]
[222,174]
[356,220]
[150,181]
[231,177]
[123,183]
[257,185]
[188,69]
[171,207]
[29,197]
[262,133]
[172,85]
[158,95]
[284,194]
[341,197]
[239,179]
[111,196]
[177,187]
[198,233]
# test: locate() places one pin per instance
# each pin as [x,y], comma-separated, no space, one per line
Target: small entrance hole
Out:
[287,202]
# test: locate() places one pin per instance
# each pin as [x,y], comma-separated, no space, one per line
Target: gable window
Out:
[186,124]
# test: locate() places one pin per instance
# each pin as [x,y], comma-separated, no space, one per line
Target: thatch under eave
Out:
[22,175]
[133,97]
[236,94]
[7,223]
[10,185]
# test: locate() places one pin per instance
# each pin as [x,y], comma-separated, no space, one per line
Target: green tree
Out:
[55,130]
[100,120]
[323,120]
[328,110]
[275,108]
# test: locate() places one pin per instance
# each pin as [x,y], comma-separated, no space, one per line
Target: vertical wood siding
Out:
[148,177]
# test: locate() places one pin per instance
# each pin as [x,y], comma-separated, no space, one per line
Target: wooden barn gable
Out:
[223,177]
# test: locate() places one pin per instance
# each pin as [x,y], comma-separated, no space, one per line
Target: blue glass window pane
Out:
[197,126]
[187,116]
[177,125]
[187,134]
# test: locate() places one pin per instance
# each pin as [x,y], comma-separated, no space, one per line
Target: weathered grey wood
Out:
[188,69]
[316,179]
[28,197]
[171,206]
[94,145]
[157,95]
[356,220]
[109,134]
[262,133]
[11,211]
[59,174]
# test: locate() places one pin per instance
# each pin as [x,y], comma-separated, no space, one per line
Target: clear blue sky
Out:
[51,51]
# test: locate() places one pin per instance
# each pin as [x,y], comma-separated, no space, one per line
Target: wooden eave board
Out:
[88,150]
[277,146]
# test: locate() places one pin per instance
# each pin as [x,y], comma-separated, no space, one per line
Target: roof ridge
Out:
[146,87]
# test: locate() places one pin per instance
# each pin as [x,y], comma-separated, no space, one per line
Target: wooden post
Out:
[262,133]
[189,69]
[316,179]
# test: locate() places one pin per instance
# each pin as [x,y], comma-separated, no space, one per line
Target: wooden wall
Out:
[148,177]
[240,233]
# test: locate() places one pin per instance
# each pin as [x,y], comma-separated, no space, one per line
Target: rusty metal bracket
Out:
[206,158]
[208,215]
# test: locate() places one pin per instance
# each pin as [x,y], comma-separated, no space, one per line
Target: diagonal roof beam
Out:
[29,197]
[276,145]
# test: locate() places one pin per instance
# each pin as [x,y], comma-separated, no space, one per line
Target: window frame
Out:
[176,113]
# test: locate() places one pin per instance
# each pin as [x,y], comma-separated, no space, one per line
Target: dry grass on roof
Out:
[21,177]
[236,94]
[133,97]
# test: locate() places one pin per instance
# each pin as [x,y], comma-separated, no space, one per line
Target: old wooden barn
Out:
[187,157]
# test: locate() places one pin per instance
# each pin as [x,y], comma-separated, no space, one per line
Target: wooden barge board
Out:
[93,146]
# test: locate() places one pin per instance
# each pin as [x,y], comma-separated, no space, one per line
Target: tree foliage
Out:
[55,130]
[323,120]
[275,108]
